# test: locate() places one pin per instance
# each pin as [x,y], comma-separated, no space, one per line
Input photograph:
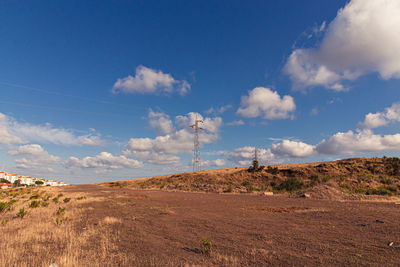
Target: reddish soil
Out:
[165,229]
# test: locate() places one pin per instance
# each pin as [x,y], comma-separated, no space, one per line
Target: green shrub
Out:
[386,180]
[246,183]
[22,212]
[4,221]
[378,191]
[80,198]
[360,191]
[60,211]
[60,220]
[34,204]
[56,200]
[66,200]
[272,170]
[5,206]
[272,183]
[326,179]
[206,246]
[290,184]
[229,189]
[35,196]
[45,204]
[392,188]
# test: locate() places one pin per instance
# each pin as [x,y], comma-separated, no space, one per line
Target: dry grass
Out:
[36,240]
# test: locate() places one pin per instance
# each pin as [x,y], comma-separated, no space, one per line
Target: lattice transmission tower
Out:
[255,153]
[196,148]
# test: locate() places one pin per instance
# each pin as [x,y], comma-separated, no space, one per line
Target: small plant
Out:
[80,198]
[255,167]
[326,179]
[35,204]
[229,189]
[56,200]
[6,206]
[378,191]
[272,170]
[60,220]
[206,246]
[67,199]
[4,221]
[246,183]
[22,212]
[60,195]
[35,196]
[45,204]
[60,211]
[291,184]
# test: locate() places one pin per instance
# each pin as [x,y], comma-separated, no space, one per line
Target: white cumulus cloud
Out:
[363,38]
[163,149]
[103,160]
[34,157]
[150,81]
[375,120]
[265,103]
[14,132]
[292,149]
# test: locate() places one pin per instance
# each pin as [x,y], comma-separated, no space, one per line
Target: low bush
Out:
[35,204]
[272,170]
[290,184]
[206,246]
[378,191]
[6,206]
[60,211]
[60,220]
[22,212]
[66,200]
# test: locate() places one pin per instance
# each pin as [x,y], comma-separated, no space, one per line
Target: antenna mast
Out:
[196,148]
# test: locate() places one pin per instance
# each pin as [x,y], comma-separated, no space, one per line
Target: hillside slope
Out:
[368,176]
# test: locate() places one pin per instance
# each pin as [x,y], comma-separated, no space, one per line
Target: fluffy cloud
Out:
[267,104]
[359,142]
[245,155]
[150,81]
[213,163]
[13,132]
[363,38]
[103,160]
[374,120]
[160,122]
[34,157]
[5,136]
[235,123]
[219,110]
[292,149]
[346,143]
[178,139]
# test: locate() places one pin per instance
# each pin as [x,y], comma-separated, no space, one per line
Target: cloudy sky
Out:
[100,92]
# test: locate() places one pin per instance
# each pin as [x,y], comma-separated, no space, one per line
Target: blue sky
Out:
[108,91]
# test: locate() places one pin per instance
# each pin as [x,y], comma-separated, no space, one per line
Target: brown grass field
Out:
[117,224]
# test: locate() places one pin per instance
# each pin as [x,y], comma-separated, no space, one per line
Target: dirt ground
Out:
[158,228]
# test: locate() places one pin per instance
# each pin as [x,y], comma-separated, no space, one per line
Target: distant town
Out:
[8,180]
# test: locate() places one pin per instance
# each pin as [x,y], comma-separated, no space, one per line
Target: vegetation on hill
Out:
[369,176]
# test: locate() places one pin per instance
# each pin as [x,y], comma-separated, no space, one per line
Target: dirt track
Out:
[165,228]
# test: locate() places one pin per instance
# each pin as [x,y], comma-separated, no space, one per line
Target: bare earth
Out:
[165,228]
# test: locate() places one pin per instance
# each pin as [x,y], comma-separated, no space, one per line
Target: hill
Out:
[366,176]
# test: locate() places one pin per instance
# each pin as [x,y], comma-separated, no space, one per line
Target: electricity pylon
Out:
[196,148]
